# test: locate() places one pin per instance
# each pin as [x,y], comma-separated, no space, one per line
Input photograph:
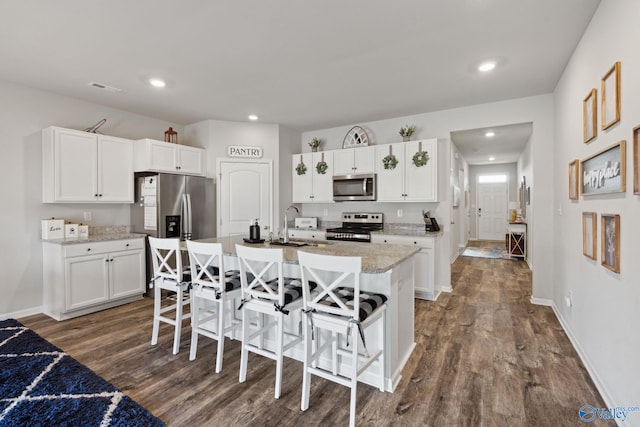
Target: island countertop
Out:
[376,258]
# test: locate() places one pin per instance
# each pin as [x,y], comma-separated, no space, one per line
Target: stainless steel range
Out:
[356,227]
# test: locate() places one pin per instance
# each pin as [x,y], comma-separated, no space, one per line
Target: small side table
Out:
[517,239]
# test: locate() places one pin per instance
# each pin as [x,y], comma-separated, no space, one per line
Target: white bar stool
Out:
[341,308]
[265,291]
[211,284]
[168,274]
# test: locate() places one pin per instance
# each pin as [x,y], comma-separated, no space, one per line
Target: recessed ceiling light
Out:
[487,66]
[490,134]
[253,117]
[491,159]
[157,82]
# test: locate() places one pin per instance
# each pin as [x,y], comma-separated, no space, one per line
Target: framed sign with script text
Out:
[605,171]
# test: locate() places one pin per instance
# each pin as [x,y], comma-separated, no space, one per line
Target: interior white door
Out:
[245,192]
[492,210]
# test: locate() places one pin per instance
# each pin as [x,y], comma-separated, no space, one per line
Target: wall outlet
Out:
[568,299]
[88,216]
[399,213]
[325,212]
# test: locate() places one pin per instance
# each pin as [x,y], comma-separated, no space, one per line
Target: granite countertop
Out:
[376,258]
[414,230]
[98,238]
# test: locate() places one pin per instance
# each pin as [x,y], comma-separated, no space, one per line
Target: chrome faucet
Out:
[285,237]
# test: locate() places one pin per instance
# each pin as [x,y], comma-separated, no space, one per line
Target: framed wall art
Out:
[636,158]
[356,137]
[522,197]
[574,179]
[589,233]
[610,93]
[610,241]
[589,115]
[605,171]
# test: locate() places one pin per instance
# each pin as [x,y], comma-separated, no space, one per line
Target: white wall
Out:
[605,314]
[537,109]
[23,113]
[277,142]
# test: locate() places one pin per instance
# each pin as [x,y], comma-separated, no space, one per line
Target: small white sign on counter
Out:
[71,231]
[52,229]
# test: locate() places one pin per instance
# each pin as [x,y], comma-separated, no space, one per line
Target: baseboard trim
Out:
[602,389]
[541,301]
[22,313]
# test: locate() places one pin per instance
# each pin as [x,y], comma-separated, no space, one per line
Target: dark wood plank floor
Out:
[484,356]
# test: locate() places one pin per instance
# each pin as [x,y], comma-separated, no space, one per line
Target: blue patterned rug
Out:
[40,385]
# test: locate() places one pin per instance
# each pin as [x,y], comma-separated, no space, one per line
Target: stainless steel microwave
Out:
[354,187]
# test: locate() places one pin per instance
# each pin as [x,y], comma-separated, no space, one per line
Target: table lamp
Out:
[514,207]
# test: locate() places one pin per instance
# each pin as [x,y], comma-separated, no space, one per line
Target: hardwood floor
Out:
[484,356]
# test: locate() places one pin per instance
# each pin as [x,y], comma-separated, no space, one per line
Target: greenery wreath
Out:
[390,162]
[301,169]
[322,167]
[420,158]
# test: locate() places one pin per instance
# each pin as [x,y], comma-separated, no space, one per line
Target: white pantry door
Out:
[492,211]
[245,192]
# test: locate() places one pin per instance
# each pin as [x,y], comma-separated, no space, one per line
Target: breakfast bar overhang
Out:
[386,269]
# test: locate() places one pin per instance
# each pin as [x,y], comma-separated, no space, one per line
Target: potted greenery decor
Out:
[407,131]
[322,166]
[315,143]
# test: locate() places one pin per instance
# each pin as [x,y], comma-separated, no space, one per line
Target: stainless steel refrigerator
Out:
[168,205]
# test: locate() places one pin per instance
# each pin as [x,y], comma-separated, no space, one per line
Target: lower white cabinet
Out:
[424,267]
[81,278]
[307,234]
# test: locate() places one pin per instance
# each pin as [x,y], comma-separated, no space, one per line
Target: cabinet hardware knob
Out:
[127,245]
[88,249]
[95,195]
[99,195]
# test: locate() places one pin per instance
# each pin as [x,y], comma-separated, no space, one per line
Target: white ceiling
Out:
[505,146]
[305,64]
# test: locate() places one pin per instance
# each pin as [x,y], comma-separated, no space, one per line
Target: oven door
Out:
[354,187]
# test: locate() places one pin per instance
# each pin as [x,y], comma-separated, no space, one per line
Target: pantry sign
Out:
[244,151]
[604,172]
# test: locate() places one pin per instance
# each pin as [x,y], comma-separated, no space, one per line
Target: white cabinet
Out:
[86,167]
[312,186]
[307,234]
[353,161]
[424,268]
[81,278]
[408,182]
[159,156]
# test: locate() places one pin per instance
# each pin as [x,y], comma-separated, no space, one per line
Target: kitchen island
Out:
[387,269]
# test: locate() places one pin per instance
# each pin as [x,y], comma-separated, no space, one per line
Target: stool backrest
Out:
[203,257]
[262,265]
[330,272]
[166,258]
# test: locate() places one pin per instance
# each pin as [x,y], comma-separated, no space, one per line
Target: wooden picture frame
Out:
[636,159]
[589,233]
[610,242]
[574,179]
[610,94]
[589,117]
[605,171]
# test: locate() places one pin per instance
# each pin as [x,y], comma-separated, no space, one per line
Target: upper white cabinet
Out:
[312,186]
[408,182]
[159,156]
[353,161]
[79,166]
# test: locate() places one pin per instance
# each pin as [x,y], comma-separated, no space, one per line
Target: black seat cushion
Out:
[292,288]
[369,301]
[232,278]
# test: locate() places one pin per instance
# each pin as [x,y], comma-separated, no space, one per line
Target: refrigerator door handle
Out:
[185,217]
[189,218]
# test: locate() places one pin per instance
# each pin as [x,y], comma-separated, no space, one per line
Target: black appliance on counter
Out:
[356,227]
